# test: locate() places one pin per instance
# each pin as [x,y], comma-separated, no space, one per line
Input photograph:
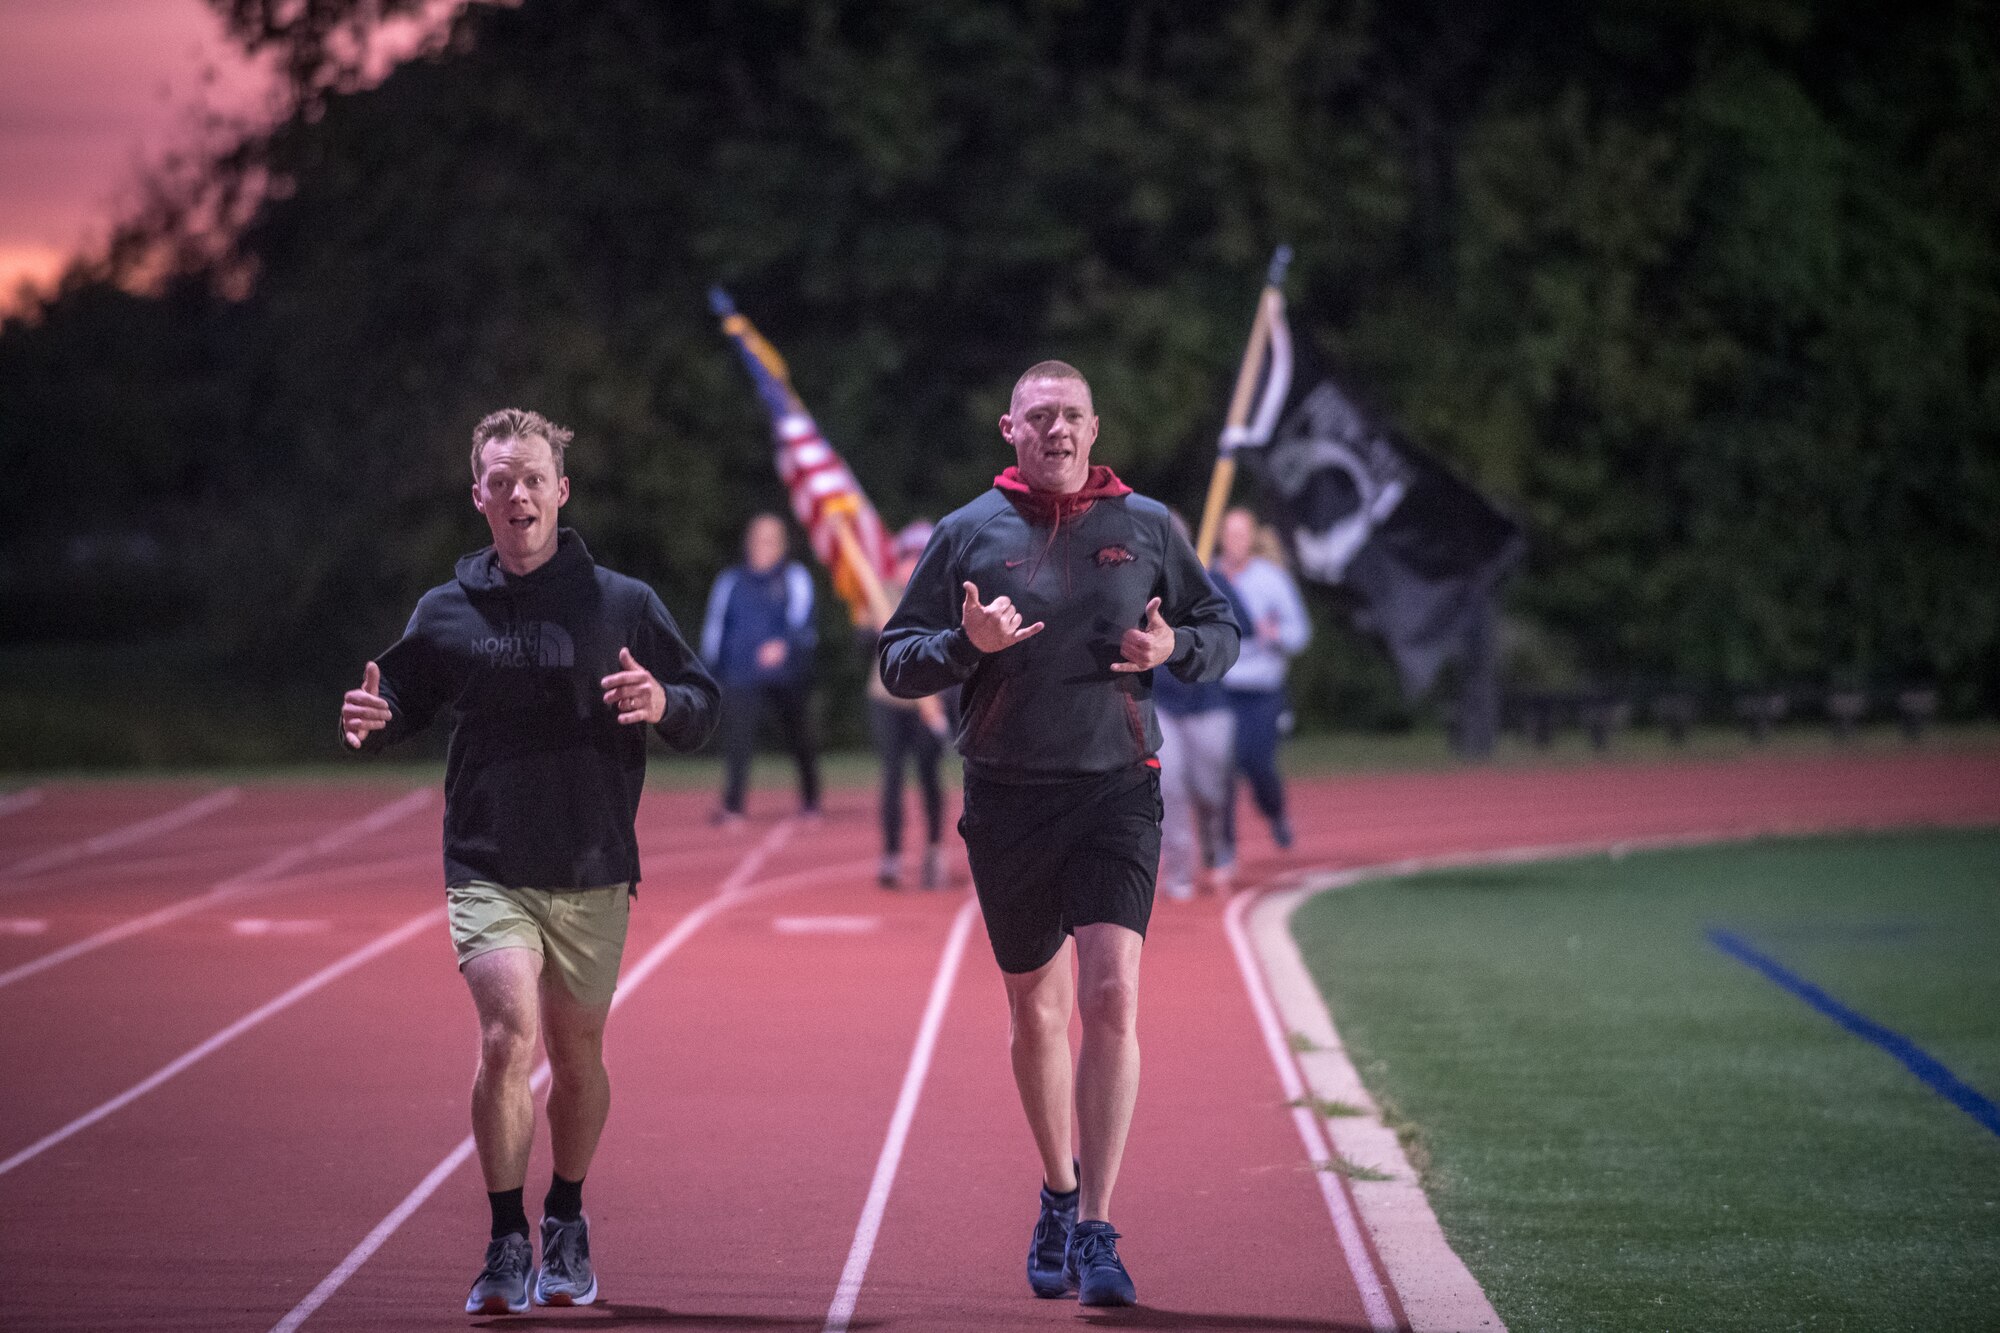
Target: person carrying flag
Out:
[1052,599]
[906,728]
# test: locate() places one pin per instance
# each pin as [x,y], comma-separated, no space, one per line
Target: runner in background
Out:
[1197,769]
[1275,630]
[758,638]
[906,728]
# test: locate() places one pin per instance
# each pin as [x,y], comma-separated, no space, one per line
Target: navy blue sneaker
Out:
[1092,1265]
[1047,1250]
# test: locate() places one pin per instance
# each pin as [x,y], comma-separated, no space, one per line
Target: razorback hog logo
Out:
[1115,555]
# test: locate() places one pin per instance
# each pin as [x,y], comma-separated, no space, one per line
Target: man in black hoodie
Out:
[550,667]
[1090,590]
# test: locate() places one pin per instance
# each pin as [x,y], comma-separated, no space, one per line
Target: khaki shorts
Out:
[580,933]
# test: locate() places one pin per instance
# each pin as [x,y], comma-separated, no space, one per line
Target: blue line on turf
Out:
[1930,1071]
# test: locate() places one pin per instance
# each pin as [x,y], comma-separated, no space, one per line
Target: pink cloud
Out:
[91,93]
[88,94]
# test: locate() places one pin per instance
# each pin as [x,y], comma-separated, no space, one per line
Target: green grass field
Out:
[1621,1127]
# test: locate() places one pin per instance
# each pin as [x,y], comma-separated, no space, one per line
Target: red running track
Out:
[757,1070]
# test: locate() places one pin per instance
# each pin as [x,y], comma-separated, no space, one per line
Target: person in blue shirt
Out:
[758,639]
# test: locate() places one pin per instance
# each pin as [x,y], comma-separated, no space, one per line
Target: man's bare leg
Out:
[1038,1010]
[1107,1071]
[504,990]
[579,1086]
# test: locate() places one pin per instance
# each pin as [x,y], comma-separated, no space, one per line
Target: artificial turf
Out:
[1622,1127]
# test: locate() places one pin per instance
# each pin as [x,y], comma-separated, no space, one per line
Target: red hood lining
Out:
[1101,483]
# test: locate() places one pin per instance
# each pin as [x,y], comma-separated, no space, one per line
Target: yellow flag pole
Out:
[872,590]
[1269,310]
[877,597]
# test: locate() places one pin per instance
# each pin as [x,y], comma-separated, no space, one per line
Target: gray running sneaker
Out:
[566,1277]
[502,1285]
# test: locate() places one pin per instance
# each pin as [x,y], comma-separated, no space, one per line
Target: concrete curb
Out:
[1438,1293]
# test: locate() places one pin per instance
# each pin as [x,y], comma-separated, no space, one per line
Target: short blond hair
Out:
[516,423]
[1048,370]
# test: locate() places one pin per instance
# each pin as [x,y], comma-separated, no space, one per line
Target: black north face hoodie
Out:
[541,780]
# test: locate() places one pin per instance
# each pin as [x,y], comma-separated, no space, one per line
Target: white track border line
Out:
[1437,1291]
[376,947]
[15,801]
[733,890]
[178,817]
[234,886]
[841,1311]
[1346,1227]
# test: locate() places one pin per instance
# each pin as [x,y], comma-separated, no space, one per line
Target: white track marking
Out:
[849,1291]
[258,926]
[826,925]
[381,944]
[23,925]
[179,817]
[1374,1301]
[235,886]
[733,890]
[19,800]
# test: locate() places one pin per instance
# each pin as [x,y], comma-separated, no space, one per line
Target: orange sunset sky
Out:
[90,92]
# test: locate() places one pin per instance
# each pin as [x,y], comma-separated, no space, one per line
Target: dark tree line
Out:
[1706,294]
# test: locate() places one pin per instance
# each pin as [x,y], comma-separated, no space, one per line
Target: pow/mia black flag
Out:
[1420,550]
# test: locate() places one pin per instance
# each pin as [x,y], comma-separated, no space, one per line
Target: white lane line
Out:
[179,817]
[826,925]
[234,886]
[258,926]
[19,800]
[1374,1301]
[23,925]
[849,1291]
[733,890]
[381,944]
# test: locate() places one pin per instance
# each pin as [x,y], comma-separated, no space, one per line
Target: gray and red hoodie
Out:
[1050,708]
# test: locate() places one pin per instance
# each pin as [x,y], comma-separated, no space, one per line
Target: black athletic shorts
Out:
[1049,857]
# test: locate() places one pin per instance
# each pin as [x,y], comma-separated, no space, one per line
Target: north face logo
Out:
[527,644]
[1115,555]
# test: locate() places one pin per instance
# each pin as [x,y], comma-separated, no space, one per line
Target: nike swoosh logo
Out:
[1011,563]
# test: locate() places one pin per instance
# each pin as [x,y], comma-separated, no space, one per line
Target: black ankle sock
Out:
[510,1218]
[564,1201]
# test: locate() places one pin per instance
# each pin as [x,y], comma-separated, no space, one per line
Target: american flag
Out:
[826,498]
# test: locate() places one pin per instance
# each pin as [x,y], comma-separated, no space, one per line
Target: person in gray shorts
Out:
[550,668]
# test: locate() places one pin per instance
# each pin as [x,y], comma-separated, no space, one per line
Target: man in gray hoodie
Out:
[1052,599]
